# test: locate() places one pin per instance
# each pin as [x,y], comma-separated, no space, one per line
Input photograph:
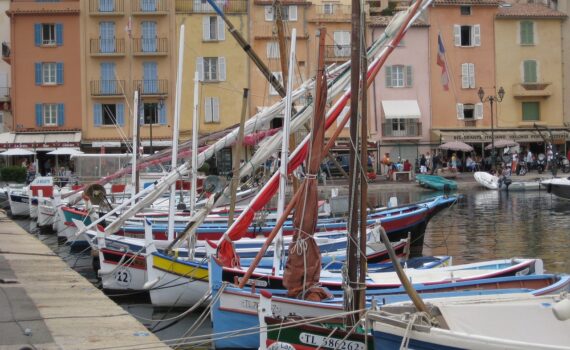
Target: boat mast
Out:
[277,266]
[236,158]
[195,125]
[134,173]
[350,300]
[171,203]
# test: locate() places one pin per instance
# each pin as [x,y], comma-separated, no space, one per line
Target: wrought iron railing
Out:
[111,46]
[151,87]
[154,46]
[106,7]
[148,7]
[107,87]
[401,128]
[202,6]
[337,52]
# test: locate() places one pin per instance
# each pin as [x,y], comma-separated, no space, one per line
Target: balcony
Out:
[107,47]
[401,128]
[335,53]
[332,12]
[6,53]
[4,93]
[150,46]
[470,123]
[106,7]
[202,6]
[151,87]
[107,88]
[532,90]
[150,7]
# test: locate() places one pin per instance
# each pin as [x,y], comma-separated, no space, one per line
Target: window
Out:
[272,49]
[150,113]
[398,127]
[107,37]
[467,76]
[50,114]
[48,34]
[328,8]
[288,13]
[213,28]
[342,43]
[150,75]
[108,114]
[148,36]
[211,69]
[399,76]
[467,36]
[279,76]
[530,75]
[530,111]
[527,32]
[470,111]
[212,110]
[465,10]
[48,73]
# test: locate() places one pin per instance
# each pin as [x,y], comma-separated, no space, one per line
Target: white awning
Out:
[40,141]
[401,109]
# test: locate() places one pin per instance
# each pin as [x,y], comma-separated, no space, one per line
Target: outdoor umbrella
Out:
[502,144]
[456,146]
[17,152]
[61,152]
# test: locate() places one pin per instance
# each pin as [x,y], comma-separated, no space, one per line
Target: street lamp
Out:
[492,99]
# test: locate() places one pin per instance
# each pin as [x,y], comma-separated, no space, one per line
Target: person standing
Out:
[423,166]
[436,160]
[429,165]
[514,162]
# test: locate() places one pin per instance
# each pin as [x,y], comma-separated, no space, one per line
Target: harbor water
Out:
[482,225]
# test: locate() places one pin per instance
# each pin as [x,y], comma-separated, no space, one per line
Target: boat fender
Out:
[549,188]
[562,310]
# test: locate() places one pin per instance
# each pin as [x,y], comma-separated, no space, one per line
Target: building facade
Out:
[127,46]
[5,84]
[528,48]
[43,53]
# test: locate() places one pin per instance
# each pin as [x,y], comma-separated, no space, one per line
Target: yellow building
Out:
[529,68]
[221,63]
[126,46]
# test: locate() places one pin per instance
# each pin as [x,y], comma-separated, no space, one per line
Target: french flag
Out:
[441,63]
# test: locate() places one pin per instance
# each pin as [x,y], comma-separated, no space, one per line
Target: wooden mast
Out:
[350,301]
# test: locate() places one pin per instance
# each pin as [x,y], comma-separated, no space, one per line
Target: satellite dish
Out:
[96,194]
[214,184]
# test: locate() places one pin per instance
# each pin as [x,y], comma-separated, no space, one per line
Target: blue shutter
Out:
[121,114]
[59,34]
[60,114]
[38,73]
[107,37]
[162,115]
[108,82]
[39,116]
[149,36]
[59,73]
[38,34]
[97,114]
[150,76]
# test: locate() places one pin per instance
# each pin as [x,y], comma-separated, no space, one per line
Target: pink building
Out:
[400,98]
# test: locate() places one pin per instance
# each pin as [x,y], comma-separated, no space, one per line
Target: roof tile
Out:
[528,11]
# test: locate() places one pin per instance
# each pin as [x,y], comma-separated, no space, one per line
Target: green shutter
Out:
[388,76]
[530,111]
[530,74]
[527,33]
[409,77]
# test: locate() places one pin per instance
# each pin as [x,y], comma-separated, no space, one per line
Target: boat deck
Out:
[45,304]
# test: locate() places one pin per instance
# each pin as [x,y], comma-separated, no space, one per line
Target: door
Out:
[149,36]
[107,37]
[108,81]
[150,85]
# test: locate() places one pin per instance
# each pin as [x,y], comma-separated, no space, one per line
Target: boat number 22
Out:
[122,277]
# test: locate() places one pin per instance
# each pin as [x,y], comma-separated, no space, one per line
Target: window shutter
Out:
[208,109]
[38,73]
[457,34]
[522,32]
[38,34]
[479,111]
[465,75]
[120,114]
[409,78]
[162,115]
[215,110]
[530,33]
[59,34]
[471,75]
[269,13]
[39,116]
[200,68]
[222,68]
[97,114]
[221,29]
[59,73]
[530,72]
[476,31]
[388,76]
[460,111]
[292,13]
[206,28]
[60,114]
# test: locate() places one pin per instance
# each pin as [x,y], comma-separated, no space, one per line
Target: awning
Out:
[484,135]
[40,141]
[401,109]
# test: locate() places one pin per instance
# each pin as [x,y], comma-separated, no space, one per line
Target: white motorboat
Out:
[558,186]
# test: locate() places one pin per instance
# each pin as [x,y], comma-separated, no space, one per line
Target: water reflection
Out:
[492,225]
